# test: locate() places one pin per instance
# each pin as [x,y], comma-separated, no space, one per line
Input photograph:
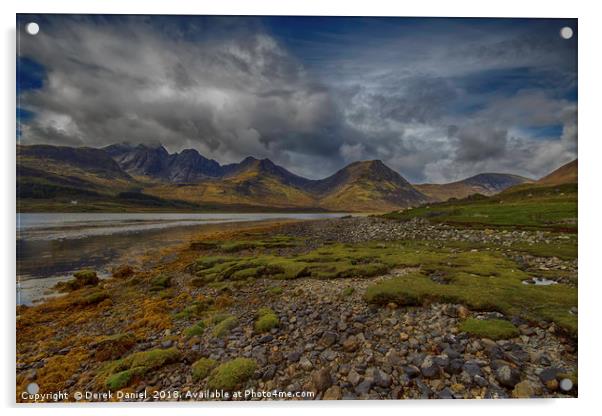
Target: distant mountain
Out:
[485,184]
[59,159]
[155,162]
[143,175]
[252,182]
[256,167]
[50,172]
[366,186]
[565,174]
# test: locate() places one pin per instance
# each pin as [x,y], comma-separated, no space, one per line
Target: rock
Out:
[364,387]
[455,366]
[446,393]
[266,338]
[548,378]
[429,367]
[380,378]
[412,371]
[472,368]
[328,355]
[523,390]
[269,372]
[393,358]
[353,377]
[321,379]
[350,344]
[294,356]
[507,376]
[333,393]
[403,336]
[305,364]
[328,338]
[463,312]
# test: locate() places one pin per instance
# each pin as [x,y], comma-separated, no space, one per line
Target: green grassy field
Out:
[483,280]
[525,207]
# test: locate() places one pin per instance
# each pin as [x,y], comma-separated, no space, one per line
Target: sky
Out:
[436,99]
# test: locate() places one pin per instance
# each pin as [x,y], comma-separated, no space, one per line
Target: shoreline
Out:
[329,339]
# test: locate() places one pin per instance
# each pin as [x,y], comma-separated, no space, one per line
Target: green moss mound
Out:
[224,326]
[160,282]
[201,368]
[484,281]
[82,278]
[120,373]
[195,330]
[232,374]
[266,320]
[489,328]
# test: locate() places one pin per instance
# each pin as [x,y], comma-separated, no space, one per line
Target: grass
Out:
[232,374]
[160,282]
[202,368]
[195,309]
[276,290]
[484,281]
[348,291]
[114,346]
[494,329]
[120,373]
[339,261]
[527,207]
[266,320]
[89,298]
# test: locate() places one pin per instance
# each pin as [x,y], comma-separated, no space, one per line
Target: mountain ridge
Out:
[487,184]
[188,176]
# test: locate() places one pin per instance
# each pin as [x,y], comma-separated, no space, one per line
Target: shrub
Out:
[232,374]
[202,368]
[489,328]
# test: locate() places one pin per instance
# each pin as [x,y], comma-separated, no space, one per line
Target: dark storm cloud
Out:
[435,99]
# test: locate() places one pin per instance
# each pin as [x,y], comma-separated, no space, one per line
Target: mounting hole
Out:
[566,32]
[33,388]
[32,28]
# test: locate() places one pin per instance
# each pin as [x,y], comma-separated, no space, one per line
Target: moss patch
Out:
[119,374]
[276,290]
[224,326]
[484,281]
[160,282]
[489,328]
[195,330]
[266,320]
[232,375]
[82,278]
[201,368]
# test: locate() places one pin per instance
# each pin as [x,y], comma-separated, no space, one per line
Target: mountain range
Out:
[123,176]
